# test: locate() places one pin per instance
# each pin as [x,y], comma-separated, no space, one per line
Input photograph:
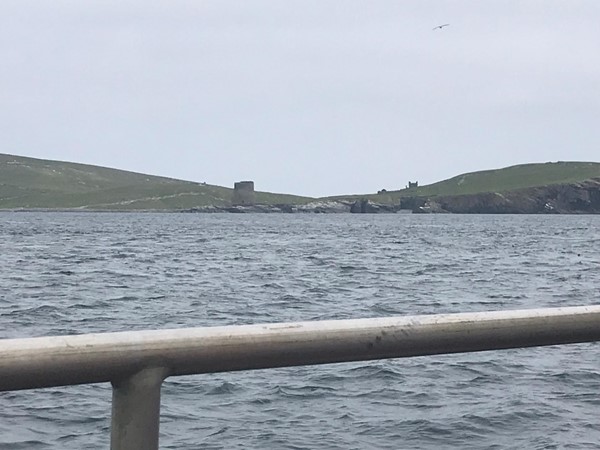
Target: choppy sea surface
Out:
[72,273]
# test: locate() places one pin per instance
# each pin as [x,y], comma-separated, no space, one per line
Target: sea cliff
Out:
[572,198]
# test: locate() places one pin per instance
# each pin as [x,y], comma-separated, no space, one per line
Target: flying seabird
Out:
[440,26]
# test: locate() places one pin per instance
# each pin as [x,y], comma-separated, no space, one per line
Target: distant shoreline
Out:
[30,184]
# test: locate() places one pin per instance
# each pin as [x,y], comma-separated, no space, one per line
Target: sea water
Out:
[72,273]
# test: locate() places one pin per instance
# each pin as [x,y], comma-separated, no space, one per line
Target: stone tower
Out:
[243,193]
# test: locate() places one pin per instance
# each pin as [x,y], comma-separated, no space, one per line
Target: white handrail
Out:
[137,362]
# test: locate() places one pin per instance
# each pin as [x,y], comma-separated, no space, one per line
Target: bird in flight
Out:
[439,27]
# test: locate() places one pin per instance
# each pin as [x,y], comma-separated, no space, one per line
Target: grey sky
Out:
[309,97]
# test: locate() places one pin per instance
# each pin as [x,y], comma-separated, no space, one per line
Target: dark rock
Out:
[365,206]
[430,207]
[412,203]
[554,199]
[357,207]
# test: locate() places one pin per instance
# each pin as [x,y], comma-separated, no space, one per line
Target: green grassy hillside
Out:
[499,180]
[36,183]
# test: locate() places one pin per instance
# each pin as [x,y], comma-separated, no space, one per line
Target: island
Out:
[561,187]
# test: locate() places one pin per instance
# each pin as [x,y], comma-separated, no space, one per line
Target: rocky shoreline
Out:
[316,207]
[575,198]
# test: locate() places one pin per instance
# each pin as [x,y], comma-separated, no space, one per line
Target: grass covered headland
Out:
[29,183]
[498,180]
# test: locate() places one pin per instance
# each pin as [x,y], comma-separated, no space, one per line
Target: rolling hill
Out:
[30,183]
[503,180]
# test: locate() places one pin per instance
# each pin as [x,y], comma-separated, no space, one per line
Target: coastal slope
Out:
[31,183]
[559,187]
[567,198]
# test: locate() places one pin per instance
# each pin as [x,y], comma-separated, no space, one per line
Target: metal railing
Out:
[137,362]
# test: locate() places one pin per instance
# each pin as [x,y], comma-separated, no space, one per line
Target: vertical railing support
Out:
[136,411]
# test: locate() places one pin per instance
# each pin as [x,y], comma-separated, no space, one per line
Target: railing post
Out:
[136,411]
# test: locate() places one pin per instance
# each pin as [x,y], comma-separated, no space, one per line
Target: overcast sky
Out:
[311,97]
